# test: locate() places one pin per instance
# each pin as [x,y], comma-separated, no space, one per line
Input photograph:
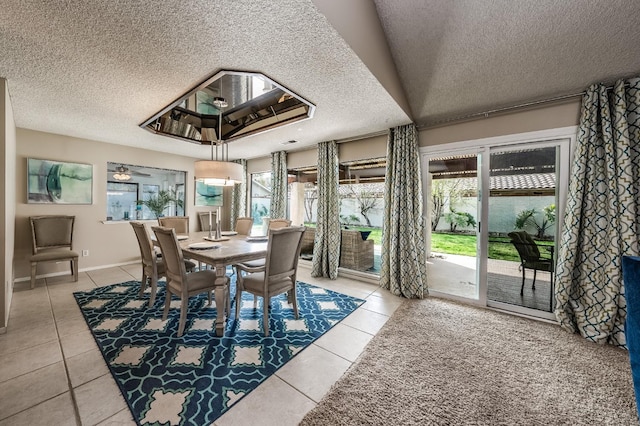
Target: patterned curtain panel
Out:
[326,247]
[278,185]
[601,223]
[404,267]
[239,196]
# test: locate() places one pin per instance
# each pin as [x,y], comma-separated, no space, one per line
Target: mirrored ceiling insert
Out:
[255,104]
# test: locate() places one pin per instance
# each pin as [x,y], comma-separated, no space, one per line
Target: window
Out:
[260,200]
[130,187]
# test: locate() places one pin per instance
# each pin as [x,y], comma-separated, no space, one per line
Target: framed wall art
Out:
[59,182]
[208,195]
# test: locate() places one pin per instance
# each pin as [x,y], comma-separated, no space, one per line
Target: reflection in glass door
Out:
[453,216]
[522,226]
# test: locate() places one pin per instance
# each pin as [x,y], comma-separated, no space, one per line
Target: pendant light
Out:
[219,172]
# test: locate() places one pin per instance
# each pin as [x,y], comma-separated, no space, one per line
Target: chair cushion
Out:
[54,254]
[254,283]
[200,280]
[254,263]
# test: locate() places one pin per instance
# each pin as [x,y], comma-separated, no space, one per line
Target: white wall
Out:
[7,201]
[108,244]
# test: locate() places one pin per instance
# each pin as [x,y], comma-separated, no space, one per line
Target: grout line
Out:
[72,393]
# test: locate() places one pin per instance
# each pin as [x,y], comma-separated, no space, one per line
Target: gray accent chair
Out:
[152,264]
[279,223]
[179,223]
[179,282]
[277,275]
[203,218]
[52,241]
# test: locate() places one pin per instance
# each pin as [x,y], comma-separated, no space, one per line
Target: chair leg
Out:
[522,286]
[167,303]
[33,274]
[74,269]
[154,289]
[143,284]
[184,305]
[238,296]
[533,287]
[265,315]
[294,300]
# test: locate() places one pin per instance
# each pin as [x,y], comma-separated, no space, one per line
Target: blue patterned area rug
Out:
[194,379]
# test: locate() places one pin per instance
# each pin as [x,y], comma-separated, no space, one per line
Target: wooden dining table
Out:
[237,249]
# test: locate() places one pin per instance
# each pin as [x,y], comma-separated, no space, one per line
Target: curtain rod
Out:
[486,114]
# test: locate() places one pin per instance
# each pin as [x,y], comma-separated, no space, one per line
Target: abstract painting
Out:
[208,195]
[59,182]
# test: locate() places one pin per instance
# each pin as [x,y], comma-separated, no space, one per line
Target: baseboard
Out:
[93,268]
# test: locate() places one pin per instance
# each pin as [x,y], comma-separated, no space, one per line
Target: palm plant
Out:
[157,203]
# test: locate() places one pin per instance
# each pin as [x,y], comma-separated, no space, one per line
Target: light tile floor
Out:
[51,371]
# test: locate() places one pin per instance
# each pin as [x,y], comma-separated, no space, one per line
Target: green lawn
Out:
[465,245]
[462,244]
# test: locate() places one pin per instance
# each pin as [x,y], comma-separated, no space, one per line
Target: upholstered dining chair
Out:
[279,223]
[179,282]
[530,257]
[179,223]
[277,275]
[152,264]
[52,241]
[244,225]
[203,218]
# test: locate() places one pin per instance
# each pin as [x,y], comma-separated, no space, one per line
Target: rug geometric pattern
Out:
[195,378]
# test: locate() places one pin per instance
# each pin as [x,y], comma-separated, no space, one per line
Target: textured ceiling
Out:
[95,69]
[457,57]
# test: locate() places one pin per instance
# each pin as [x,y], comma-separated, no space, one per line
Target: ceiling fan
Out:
[122,173]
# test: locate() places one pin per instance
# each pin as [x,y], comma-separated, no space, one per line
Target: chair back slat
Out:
[54,231]
[525,245]
[203,218]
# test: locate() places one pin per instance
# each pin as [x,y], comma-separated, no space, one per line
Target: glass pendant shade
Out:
[218,173]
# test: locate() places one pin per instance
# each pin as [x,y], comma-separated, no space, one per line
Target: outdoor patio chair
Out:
[530,257]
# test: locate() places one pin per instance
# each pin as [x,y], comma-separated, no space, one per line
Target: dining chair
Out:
[180,283]
[279,223]
[52,241]
[179,223]
[203,218]
[277,275]
[530,257]
[244,225]
[152,264]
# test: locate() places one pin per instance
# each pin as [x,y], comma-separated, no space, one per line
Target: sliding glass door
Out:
[453,212]
[522,226]
[493,213]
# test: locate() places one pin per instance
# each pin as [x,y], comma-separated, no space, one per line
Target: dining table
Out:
[220,254]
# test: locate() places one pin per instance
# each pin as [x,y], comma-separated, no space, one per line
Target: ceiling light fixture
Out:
[121,173]
[219,172]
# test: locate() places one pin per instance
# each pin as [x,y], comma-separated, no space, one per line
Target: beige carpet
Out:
[440,363]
